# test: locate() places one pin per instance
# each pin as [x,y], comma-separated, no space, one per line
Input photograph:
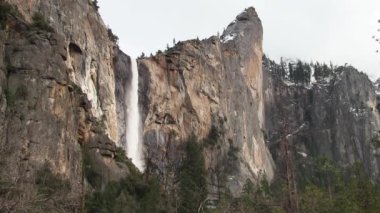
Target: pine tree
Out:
[317,71]
[364,189]
[291,72]
[282,68]
[192,178]
[307,73]
[299,72]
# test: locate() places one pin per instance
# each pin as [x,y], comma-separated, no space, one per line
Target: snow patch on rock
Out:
[228,37]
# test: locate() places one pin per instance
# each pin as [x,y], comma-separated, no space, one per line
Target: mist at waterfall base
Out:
[133,146]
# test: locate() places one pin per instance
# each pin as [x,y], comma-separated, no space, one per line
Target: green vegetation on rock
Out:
[376,140]
[5,10]
[134,193]
[40,23]
[49,183]
[95,4]
[10,97]
[112,36]
[131,194]
[300,72]
[192,178]
[142,192]
[90,172]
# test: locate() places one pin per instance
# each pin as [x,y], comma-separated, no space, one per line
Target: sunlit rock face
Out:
[198,87]
[60,91]
[89,48]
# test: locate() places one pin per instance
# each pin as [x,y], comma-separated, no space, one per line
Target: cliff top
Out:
[248,14]
[247,22]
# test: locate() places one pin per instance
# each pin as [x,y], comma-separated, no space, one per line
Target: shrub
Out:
[9,196]
[214,133]
[213,136]
[10,96]
[376,140]
[5,188]
[95,4]
[22,92]
[49,183]
[40,23]
[120,155]
[130,194]
[75,88]
[92,176]
[5,10]
[233,152]
[112,36]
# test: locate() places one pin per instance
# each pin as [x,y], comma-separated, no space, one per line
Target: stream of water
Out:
[134,142]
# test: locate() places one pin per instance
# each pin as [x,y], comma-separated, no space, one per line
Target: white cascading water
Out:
[133,146]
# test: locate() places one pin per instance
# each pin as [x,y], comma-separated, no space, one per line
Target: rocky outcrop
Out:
[336,118]
[40,113]
[216,88]
[377,91]
[204,86]
[61,89]
[89,49]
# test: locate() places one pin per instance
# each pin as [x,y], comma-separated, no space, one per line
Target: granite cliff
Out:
[337,117]
[222,85]
[63,87]
[213,85]
[63,108]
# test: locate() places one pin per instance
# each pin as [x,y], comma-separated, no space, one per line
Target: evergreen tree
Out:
[315,199]
[327,175]
[282,69]
[364,190]
[326,71]
[291,71]
[322,71]
[318,73]
[95,4]
[307,73]
[192,178]
[299,73]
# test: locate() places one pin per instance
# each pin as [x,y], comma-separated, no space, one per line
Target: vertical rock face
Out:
[337,118]
[377,86]
[89,48]
[209,87]
[59,91]
[41,116]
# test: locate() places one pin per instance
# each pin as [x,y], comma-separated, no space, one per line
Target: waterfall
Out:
[134,146]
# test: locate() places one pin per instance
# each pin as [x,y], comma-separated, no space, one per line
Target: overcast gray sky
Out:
[326,30]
